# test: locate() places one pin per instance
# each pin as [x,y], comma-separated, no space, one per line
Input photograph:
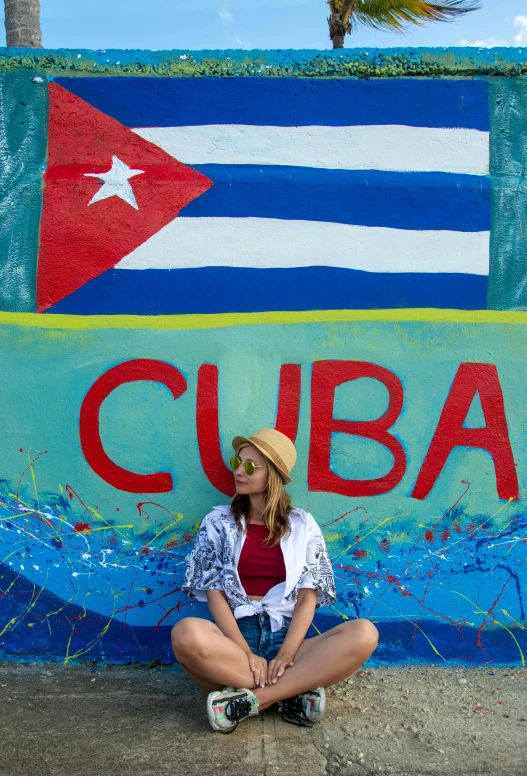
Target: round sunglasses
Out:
[249,466]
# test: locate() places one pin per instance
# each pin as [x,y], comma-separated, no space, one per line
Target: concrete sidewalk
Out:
[140,722]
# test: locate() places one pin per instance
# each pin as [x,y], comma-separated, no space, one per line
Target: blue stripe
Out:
[143,643]
[286,102]
[228,289]
[412,200]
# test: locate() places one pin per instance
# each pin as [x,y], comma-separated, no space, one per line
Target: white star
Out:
[115,183]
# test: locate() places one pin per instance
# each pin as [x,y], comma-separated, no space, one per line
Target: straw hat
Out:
[275,446]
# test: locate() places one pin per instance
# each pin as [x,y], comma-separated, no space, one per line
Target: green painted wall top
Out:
[301,63]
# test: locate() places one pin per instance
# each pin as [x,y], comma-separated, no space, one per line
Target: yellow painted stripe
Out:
[224,320]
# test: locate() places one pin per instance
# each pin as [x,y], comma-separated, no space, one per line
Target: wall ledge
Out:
[300,63]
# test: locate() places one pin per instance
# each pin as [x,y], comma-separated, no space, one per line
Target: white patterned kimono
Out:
[213,565]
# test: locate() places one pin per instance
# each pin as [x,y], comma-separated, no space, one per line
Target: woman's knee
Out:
[365,635]
[188,637]
[369,635]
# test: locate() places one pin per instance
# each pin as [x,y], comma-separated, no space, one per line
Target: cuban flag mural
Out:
[184,259]
[177,195]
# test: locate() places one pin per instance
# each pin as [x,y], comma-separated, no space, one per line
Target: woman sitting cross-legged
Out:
[262,567]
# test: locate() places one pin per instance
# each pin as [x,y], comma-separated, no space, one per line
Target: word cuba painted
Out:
[471,381]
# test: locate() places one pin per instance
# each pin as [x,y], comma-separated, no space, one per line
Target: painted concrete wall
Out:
[199,244]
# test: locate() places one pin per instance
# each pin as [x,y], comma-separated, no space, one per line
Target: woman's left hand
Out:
[276,667]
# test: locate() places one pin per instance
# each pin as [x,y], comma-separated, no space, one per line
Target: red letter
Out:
[288,410]
[207,421]
[450,432]
[327,375]
[129,371]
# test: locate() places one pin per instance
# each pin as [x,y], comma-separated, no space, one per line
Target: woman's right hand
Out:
[258,666]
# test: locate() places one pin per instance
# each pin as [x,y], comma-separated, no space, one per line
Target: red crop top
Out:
[260,566]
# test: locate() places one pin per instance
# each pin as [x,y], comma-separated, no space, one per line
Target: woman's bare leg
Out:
[323,660]
[214,661]
[208,657]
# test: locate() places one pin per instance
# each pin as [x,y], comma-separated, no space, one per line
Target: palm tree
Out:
[22,23]
[345,15]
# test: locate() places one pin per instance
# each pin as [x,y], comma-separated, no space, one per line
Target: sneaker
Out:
[225,709]
[304,709]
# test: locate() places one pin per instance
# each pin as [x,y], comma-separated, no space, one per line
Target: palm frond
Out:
[395,14]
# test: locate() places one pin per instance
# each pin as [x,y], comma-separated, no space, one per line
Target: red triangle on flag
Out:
[90,223]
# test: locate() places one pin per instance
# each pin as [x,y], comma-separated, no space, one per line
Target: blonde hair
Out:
[277,506]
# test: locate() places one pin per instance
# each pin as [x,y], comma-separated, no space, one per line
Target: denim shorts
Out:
[256,630]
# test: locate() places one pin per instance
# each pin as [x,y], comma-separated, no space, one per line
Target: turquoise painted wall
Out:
[91,569]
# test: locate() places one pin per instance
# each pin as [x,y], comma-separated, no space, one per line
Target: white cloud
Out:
[232,39]
[225,15]
[521,37]
[489,43]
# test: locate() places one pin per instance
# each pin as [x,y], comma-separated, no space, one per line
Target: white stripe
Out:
[388,147]
[275,243]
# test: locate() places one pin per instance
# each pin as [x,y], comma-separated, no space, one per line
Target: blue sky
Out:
[165,24]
